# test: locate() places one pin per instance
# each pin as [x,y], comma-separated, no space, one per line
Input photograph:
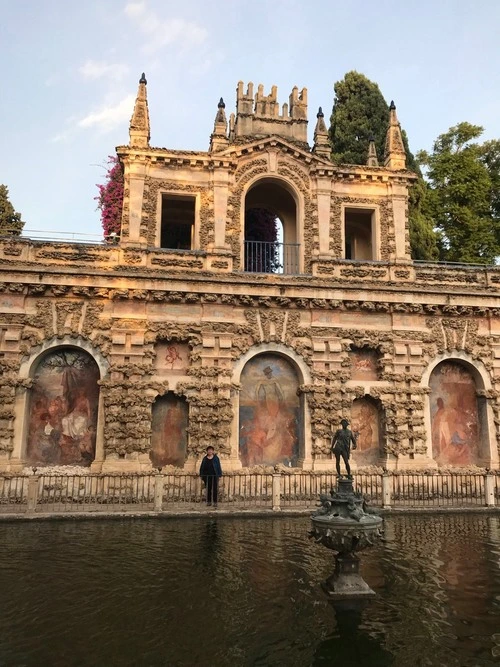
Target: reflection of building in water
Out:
[444,571]
[191,299]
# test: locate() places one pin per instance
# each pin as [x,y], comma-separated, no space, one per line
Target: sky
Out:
[71,70]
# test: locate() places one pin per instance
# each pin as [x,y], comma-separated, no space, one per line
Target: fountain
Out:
[344,524]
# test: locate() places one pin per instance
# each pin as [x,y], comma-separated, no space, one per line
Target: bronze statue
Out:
[341,446]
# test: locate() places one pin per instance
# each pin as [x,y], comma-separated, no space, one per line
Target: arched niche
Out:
[458,419]
[169,430]
[271,414]
[271,202]
[63,408]
[367,424]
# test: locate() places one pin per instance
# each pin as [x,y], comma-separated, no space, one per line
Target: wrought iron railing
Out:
[155,492]
[440,490]
[60,236]
[272,257]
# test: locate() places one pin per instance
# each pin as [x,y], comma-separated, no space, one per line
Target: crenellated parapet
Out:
[261,116]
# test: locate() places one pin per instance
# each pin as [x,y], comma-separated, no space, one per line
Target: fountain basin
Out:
[342,525]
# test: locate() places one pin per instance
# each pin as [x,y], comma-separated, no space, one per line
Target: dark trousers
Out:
[345,457]
[212,489]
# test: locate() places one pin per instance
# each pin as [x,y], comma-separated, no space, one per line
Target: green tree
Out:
[490,157]
[359,113]
[423,238]
[463,198]
[10,221]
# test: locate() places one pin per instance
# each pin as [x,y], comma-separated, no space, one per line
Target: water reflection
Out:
[220,591]
[351,643]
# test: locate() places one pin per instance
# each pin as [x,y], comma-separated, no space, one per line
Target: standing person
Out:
[210,472]
[341,446]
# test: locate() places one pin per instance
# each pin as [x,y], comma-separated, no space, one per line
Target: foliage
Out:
[359,113]
[463,198]
[261,227]
[110,198]
[490,157]
[10,220]
[423,238]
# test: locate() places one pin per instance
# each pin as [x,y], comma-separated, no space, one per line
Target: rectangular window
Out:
[177,222]
[358,234]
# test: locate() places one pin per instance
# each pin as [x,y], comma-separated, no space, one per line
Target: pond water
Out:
[245,591]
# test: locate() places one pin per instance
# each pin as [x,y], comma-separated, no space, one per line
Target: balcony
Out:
[272,257]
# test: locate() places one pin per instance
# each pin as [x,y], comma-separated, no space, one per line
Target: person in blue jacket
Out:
[210,473]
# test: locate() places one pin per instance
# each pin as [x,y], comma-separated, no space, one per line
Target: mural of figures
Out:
[169,431]
[454,415]
[364,364]
[270,419]
[63,409]
[171,357]
[365,424]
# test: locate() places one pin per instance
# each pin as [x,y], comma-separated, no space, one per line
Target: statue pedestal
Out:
[346,582]
[342,525]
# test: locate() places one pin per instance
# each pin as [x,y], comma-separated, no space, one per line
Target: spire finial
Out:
[139,123]
[321,144]
[395,154]
[219,139]
[372,153]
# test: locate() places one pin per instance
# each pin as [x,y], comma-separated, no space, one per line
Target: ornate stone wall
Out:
[123,324]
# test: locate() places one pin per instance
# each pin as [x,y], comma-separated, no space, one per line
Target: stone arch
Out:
[169,428]
[271,419]
[368,425]
[458,418]
[81,368]
[280,196]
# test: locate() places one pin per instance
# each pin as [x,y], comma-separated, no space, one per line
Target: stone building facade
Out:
[188,330]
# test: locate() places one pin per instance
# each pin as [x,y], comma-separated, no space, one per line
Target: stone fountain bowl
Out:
[346,535]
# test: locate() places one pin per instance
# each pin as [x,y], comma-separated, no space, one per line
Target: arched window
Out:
[63,409]
[271,422]
[455,421]
[169,431]
[270,235]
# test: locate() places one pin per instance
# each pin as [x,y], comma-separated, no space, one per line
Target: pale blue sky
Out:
[70,73]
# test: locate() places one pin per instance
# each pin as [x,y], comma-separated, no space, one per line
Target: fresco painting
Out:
[171,357]
[364,364]
[365,424]
[63,409]
[454,415]
[270,420]
[169,431]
